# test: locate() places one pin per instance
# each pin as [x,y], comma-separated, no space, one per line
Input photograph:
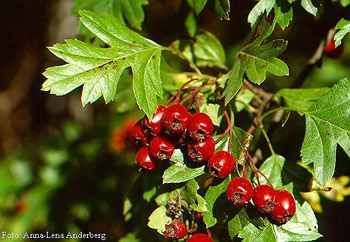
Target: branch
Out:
[256,123]
[315,60]
[258,91]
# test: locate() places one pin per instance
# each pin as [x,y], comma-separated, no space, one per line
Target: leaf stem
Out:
[267,140]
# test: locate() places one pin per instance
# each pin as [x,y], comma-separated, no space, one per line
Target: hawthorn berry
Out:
[200,127]
[221,164]
[175,230]
[331,50]
[202,151]
[199,237]
[264,198]
[285,207]
[175,119]
[143,159]
[161,148]
[137,136]
[153,127]
[239,191]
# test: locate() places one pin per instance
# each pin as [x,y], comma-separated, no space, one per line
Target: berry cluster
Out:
[278,205]
[175,127]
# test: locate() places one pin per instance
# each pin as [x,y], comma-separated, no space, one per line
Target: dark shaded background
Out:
[27,114]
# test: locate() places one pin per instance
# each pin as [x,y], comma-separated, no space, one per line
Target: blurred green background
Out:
[65,168]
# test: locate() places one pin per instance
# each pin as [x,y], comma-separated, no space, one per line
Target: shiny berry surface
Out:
[175,119]
[153,127]
[264,198]
[143,159]
[239,191]
[161,148]
[137,136]
[202,151]
[200,127]
[175,230]
[199,237]
[285,207]
[331,51]
[221,164]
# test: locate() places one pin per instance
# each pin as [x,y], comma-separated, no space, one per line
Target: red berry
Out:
[199,237]
[153,127]
[175,230]
[264,198]
[137,136]
[175,119]
[161,148]
[239,191]
[201,152]
[143,159]
[285,208]
[221,164]
[331,51]
[200,127]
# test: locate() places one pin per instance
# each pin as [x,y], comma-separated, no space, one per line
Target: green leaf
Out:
[296,232]
[158,219]
[237,140]
[256,59]
[211,196]
[99,69]
[302,227]
[191,24]
[243,99]
[127,206]
[196,201]
[342,28]
[130,237]
[222,9]
[301,99]
[306,215]
[309,7]
[197,5]
[289,232]
[149,194]
[177,157]
[261,31]
[262,59]
[234,81]
[345,3]
[272,169]
[283,13]
[327,124]
[130,10]
[133,11]
[237,223]
[209,51]
[263,6]
[212,110]
[250,233]
[181,173]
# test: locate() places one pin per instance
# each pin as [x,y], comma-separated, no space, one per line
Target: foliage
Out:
[198,70]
